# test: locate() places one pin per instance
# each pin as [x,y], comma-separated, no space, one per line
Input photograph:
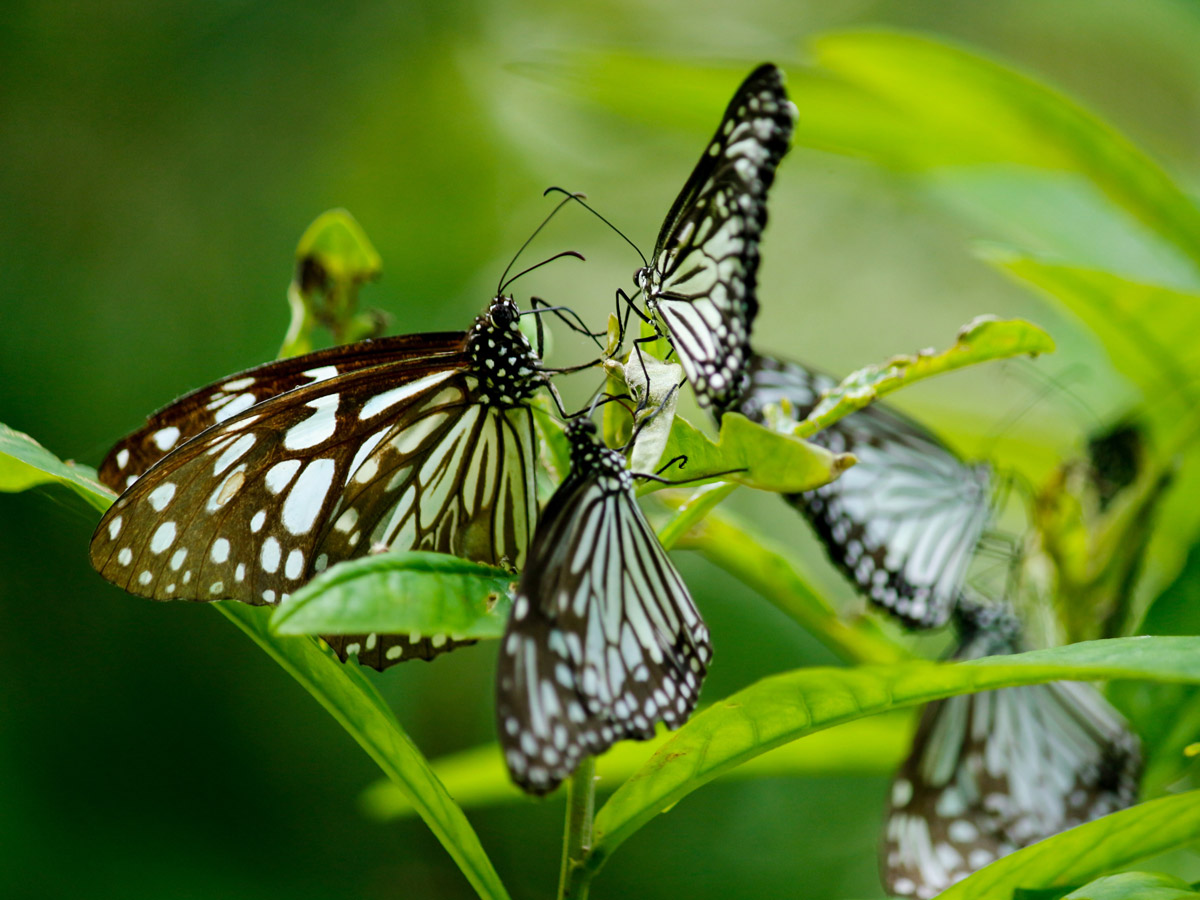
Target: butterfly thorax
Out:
[591,459]
[648,280]
[508,369]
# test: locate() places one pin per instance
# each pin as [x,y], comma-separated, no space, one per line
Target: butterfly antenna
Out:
[504,285]
[580,198]
[529,240]
[1047,385]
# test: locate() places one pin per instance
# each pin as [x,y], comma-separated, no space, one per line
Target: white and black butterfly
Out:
[993,772]
[904,522]
[701,280]
[603,640]
[247,488]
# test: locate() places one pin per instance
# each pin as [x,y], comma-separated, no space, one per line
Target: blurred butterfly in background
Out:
[904,522]
[702,278]
[249,487]
[603,640]
[993,772]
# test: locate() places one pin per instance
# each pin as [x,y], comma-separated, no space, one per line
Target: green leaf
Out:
[348,697]
[1151,332]
[477,777]
[341,689]
[912,101]
[767,567]
[749,454]
[404,592]
[782,708]
[1094,849]
[981,340]
[1135,886]
[24,464]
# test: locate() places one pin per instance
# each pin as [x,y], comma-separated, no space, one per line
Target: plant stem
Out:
[574,879]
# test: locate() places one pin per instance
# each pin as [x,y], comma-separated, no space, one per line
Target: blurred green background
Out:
[158,163]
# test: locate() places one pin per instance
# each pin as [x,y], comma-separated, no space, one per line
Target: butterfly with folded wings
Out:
[701,280]
[249,487]
[603,640]
[993,772]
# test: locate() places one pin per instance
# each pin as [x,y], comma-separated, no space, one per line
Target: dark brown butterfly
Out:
[247,488]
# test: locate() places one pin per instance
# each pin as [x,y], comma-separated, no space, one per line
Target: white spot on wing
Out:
[307,496]
[166,438]
[388,399]
[317,428]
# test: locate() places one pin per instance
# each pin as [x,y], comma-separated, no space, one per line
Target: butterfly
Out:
[603,640]
[993,772]
[902,523]
[249,487]
[701,281]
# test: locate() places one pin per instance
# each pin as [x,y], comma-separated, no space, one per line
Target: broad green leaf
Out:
[555,449]
[24,464]
[749,454]
[767,567]
[912,101]
[408,592]
[477,777]
[1151,332]
[1135,886]
[782,708]
[1092,850]
[341,689]
[333,260]
[984,339]
[349,698]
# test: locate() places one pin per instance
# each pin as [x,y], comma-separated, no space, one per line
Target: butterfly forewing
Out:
[991,773]
[199,410]
[604,640]
[904,521]
[703,275]
[236,513]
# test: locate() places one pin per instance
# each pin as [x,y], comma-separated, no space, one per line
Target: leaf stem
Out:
[575,879]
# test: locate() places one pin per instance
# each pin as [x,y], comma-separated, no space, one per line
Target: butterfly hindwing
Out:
[904,521]
[703,275]
[604,639]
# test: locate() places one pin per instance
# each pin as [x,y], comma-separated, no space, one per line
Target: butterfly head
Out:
[589,456]
[503,358]
[648,280]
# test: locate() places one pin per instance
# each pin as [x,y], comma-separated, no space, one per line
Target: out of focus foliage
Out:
[158,166]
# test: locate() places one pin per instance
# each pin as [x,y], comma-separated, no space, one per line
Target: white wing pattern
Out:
[904,522]
[604,640]
[993,772]
[429,453]
[702,278]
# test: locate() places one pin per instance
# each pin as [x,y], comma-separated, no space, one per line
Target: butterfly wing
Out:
[991,773]
[254,506]
[703,275]
[603,641]
[175,424]
[904,521]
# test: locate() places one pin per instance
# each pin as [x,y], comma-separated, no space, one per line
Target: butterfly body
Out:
[425,445]
[702,278]
[604,639]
